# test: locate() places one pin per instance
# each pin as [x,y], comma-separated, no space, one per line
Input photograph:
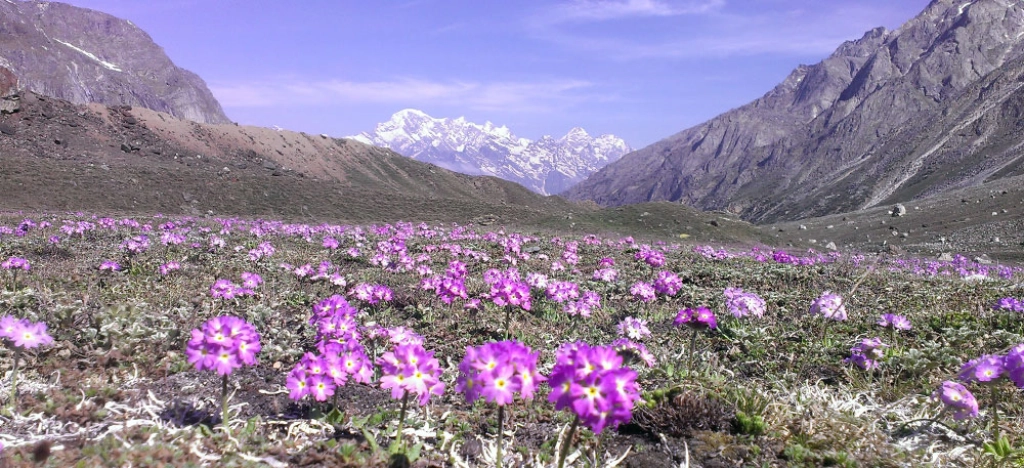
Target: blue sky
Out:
[641,69]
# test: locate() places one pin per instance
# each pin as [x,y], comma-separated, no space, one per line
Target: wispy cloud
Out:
[722,29]
[604,10]
[536,96]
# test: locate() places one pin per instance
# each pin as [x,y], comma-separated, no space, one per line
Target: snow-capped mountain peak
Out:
[548,165]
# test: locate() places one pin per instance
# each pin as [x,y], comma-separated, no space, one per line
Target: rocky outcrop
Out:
[83,56]
[8,92]
[834,136]
[8,82]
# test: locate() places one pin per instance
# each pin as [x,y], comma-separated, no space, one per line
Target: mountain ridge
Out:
[547,165]
[826,123]
[82,56]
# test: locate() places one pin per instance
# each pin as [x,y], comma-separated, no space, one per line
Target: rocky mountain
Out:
[932,106]
[547,166]
[82,56]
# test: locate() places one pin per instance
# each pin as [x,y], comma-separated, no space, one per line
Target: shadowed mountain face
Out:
[83,56]
[548,165]
[895,115]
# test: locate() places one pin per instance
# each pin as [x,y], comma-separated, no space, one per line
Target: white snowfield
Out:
[547,166]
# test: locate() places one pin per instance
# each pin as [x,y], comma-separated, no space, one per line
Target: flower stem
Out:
[693,345]
[508,320]
[224,401]
[564,452]
[995,410]
[14,381]
[401,418]
[501,433]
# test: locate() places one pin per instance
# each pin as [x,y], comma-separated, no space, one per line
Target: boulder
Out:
[8,83]
[899,210]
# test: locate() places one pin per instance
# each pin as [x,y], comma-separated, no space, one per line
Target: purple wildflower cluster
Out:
[667,283]
[699,318]
[866,354]
[372,294]
[591,382]
[710,253]
[110,265]
[897,322]
[643,291]
[508,289]
[496,371]
[22,333]
[264,250]
[1010,303]
[633,328]
[226,289]
[991,366]
[135,245]
[341,355]
[410,369]
[606,274]
[653,258]
[168,267]
[15,263]
[583,307]
[741,303]
[984,369]
[562,291]
[223,344]
[830,306]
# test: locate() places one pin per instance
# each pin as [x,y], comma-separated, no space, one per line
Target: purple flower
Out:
[982,369]
[451,288]
[15,263]
[402,336]
[866,354]
[296,384]
[633,328]
[830,306]
[897,322]
[224,289]
[643,292]
[168,267]
[607,275]
[537,280]
[1013,365]
[698,318]
[1010,303]
[956,397]
[413,370]
[496,371]
[741,303]
[110,265]
[223,344]
[135,245]
[591,382]
[562,291]
[667,283]
[650,256]
[511,291]
[24,333]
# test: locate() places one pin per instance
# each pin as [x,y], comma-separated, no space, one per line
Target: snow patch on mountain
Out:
[547,166]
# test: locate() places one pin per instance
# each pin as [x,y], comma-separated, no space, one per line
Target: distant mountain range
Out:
[547,166]
[82,56]
[935,105]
